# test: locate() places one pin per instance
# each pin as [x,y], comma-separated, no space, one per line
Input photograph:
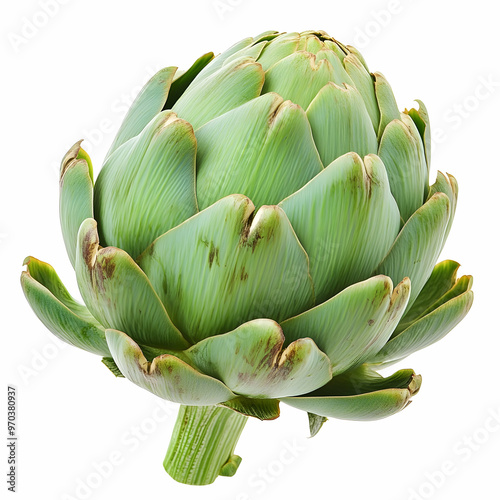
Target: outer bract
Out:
[262,230]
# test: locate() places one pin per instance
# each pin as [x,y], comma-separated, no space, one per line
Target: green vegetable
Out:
[262,231]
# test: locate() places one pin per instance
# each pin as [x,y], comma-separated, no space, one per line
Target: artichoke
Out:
[261,231]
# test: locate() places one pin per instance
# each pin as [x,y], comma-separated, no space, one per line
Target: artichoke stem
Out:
[202,444]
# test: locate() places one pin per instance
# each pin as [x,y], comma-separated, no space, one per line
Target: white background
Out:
[70,74]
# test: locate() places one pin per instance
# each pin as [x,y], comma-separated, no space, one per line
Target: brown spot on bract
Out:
[255,240]
[244,274]
[272,349]
[98,273]
[368,182]
[273,115]
[245,229]
[213,255]
[108,267]
[231,280]
[69,158]
[88,248]
[370,322]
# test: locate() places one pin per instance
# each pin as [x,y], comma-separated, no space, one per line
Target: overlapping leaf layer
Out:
[262,229]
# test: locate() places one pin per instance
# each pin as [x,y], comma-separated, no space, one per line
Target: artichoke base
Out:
[202,444]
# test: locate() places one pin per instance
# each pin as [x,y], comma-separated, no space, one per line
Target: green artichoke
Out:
[262,230]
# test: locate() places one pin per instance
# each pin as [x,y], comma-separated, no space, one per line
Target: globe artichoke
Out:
[262,230]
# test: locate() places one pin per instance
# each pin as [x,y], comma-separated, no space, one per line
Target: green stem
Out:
[202,444]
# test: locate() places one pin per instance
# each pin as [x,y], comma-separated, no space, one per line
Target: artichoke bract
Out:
[262,230]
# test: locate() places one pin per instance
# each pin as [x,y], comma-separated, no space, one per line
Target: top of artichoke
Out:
[261,119]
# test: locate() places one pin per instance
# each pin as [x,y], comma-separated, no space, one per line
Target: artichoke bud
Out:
[262,230]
